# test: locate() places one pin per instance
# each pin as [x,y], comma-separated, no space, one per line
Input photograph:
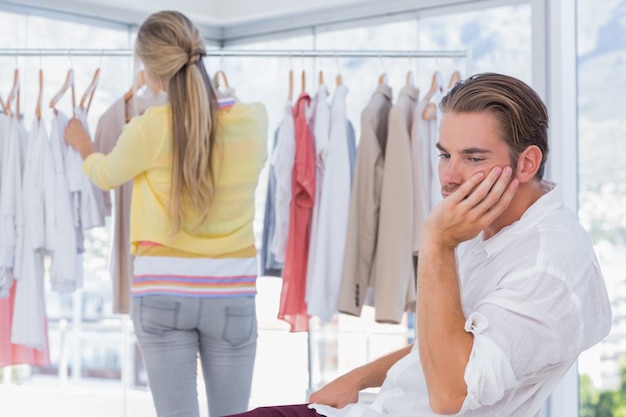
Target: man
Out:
[509,288]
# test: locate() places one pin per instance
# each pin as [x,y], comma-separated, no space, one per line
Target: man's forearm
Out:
[444,345]
[373,374]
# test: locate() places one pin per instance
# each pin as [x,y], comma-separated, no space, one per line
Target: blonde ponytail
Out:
[171,50]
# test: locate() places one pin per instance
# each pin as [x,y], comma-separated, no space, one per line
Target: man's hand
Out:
[338,393]
[470,208]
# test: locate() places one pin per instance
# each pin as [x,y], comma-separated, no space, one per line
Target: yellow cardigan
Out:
[143,152]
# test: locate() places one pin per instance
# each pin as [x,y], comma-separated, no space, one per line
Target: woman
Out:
[195,167]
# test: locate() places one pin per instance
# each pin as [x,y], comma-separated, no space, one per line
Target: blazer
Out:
[361,237]
[394,283]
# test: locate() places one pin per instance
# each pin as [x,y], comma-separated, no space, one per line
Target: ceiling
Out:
[227,22]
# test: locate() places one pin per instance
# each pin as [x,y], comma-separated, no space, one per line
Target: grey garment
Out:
[351,149]
[269,265]
[172,330]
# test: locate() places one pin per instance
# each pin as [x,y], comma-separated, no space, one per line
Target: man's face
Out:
[469,143]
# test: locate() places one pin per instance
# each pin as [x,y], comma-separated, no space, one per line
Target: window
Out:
[602,189]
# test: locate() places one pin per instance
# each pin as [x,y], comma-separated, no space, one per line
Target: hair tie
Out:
[195,56]
[192,59]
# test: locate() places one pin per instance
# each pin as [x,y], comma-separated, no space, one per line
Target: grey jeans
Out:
[172,331]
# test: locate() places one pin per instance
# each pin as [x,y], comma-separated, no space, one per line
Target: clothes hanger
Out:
[290,92]
[338,78]
[216,79]
[410,78]
[14,94]
[383,79]
[39,96]
[91,89]
[454,78]
[430,112]
[321,78]
[68,84]
[140,81]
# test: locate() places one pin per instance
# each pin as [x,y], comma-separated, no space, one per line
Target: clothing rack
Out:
[276,53]
[223,53]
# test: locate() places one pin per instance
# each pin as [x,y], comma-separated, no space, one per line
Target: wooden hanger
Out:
[290,92]
[88,95]
[430,112]
[68,84]
[216,79]
[383,79]
[303,82]
[454,78]
[39,96]
[339,80]
[140,81]
[321,78]
[14,94]
[410,78]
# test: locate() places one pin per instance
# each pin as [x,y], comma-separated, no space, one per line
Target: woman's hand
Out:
[77,137]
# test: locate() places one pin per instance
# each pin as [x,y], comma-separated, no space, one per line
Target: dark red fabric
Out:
[295,410]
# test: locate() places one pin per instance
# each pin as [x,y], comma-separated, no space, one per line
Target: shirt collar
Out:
[538,211]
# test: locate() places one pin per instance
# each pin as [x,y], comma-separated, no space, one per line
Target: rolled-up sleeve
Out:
[488,374]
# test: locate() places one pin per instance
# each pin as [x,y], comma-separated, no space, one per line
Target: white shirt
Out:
[88,204]
[11,203]
[327,263]
[66,271]
[283,159]
[321,134]
[38,195]
[534,298]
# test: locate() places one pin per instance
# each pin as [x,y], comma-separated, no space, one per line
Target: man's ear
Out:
[528,163]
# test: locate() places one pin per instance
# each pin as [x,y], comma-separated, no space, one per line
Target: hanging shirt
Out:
[292,298]
[327,261]
[11,204]
[282,161]
[29,315]
[358,265]
[534,298]
[351,149]
[269,265]
[321,134]
[87,202]
[66,271]
[423,168]
[394,283]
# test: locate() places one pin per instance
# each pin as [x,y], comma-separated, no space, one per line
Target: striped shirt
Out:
[194,277]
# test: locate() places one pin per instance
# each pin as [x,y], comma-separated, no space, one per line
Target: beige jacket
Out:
[361,239]
[394,285]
